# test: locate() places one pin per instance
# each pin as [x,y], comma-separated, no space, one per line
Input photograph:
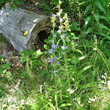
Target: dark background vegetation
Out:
[30,85]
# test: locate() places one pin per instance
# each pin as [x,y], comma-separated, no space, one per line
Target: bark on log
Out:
[21,27]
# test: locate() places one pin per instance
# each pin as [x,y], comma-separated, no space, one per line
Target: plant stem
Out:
[56,99]
[68,76]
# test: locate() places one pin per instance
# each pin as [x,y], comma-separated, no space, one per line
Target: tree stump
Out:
[22,27]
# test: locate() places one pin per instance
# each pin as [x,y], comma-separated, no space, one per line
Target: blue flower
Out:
[63,47]
[63,35]
[54,72]
[59,31]
[51,60]
[55,35]
[58,63]
[54,46]
[50,40]
[55,58]
[54,15]
[51,64]
[63,53]
[51,51]
[60,10]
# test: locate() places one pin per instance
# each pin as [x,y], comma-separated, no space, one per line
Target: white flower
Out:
[70,91]
[105,74]
[22,102]
[89,101]
[94,49]
[61,19]
[92,100]
[108,84]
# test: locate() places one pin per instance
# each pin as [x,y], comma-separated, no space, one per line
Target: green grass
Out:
[80,82]
[20,92]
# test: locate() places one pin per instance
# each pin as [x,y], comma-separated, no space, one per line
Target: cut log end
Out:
[21,24]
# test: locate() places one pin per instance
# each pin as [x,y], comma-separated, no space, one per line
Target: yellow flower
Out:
[26,32]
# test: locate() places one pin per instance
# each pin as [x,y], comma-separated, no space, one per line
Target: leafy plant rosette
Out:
[32,57]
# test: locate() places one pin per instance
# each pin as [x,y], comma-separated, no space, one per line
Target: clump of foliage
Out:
[73,72]
[13,3]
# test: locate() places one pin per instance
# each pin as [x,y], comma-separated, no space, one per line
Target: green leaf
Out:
[74,27]
[46,12]
[23,59]
[46,47]
[100,7]
[65,105]
[97,18]
[103,17]
[14,7]
[74,59]
[81,58]
[55,2]
[102,26]
[87,20]
[6,66]
[89,30]
[91,84]
[18,2]
[88,8]
[39,5]
[26,53]
[79,51]
[0,58]
[38,53]
[84,69]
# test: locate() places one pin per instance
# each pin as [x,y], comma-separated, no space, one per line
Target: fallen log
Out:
[22,27]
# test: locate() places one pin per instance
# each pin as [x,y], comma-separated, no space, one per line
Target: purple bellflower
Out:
[63,47]
[51,51]
[54,46]
[54,15]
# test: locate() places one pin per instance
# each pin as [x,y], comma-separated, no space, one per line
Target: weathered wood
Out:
[14,24]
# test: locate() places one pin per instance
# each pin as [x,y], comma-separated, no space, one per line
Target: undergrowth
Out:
[73,73]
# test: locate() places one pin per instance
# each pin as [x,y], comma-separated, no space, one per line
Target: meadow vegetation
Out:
[73,73]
